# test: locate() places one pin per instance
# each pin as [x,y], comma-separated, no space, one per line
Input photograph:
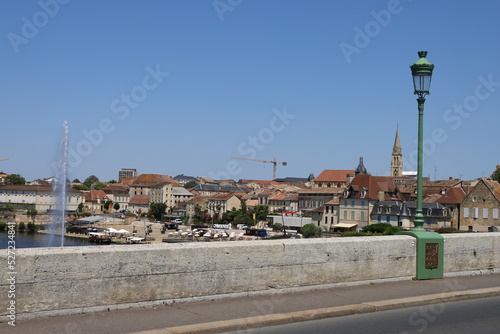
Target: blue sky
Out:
[176,87]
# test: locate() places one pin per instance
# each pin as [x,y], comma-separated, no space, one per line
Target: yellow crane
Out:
[274,162]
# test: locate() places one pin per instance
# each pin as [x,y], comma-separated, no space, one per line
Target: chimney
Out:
[349,179]
[380,195]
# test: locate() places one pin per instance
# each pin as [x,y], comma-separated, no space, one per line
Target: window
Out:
[379,219]
[352,204]
[345,214]
[388,219]
[466,212]
[495,213]
[428,223]
[362,204]
[485,213]
[474,199]
[345,203]
[362,215]
[476,213]
[326,208]
[352,215]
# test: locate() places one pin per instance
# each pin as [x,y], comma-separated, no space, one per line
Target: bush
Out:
[449,230]
[21,227]
[382,229]
[311,230]
[3,226]
[277,227]
[31,227]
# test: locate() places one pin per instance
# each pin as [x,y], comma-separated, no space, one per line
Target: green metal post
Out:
[419,216]
[430,245]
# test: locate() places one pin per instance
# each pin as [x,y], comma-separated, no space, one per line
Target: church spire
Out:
[361,167]
[397,144]
[397,156]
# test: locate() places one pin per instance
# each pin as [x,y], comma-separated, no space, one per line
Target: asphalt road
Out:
[481,316]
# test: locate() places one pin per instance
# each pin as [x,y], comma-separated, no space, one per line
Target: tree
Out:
[112,181]
[76,181]
[496,174]
[107,205]
[99,185]
[116,206]
[190,184]
[90,180]
[80,187]
[14,179]
[310,230]
[80,207]
[158,209]
[261,212]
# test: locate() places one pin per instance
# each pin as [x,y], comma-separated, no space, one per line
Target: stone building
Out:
[479,209]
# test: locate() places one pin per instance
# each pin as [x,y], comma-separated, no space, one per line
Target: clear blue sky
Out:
[176,87]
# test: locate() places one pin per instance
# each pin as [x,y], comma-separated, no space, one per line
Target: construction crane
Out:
[274,162]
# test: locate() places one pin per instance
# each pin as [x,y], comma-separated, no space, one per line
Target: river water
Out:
[31,240]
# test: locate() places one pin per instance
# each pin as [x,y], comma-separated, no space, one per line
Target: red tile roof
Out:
[452,196]
[333,175]
[139,200]
[94,195]
[374,184]
[146,180]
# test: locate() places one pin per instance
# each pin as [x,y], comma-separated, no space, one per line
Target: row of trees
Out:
[242,216]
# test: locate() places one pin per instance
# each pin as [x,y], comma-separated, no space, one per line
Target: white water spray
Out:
[61,186]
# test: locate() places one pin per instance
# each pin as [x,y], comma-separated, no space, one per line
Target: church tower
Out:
[397,157]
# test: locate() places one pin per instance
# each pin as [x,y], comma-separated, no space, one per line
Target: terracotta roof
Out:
[374,184]
[494,186]
[152,179]
[115,187]
[40,188]
[221,196]
[140,200]
[453,195]
[334,201]
[94,195]
[333,175]
[322,190]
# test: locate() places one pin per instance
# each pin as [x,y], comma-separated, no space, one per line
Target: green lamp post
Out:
[430,245]
[422,75]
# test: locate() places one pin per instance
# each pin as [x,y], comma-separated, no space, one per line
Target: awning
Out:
[344,225]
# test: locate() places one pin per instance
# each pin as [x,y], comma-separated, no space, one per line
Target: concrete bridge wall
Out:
[74,279]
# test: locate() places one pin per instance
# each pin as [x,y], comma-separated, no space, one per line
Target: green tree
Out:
[190,184]
[80,187]
[99,185]
[76,181]
[496,174]
[311,231]
[116,206]
[80,207]
[90,181]
[21,226]
[107,205]
[158,209]
[14,179]
[32,213]
[261,212]
[112,182]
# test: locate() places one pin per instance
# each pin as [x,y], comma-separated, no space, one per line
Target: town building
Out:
[221,203]
[479,209]
[41,198]
[127,173]
[332,178]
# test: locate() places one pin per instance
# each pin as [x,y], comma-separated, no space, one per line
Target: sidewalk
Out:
[239,313]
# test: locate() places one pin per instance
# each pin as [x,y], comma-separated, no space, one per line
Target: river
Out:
[31,240]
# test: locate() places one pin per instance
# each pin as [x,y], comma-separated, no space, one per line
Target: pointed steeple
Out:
[397,144]
[397,156]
